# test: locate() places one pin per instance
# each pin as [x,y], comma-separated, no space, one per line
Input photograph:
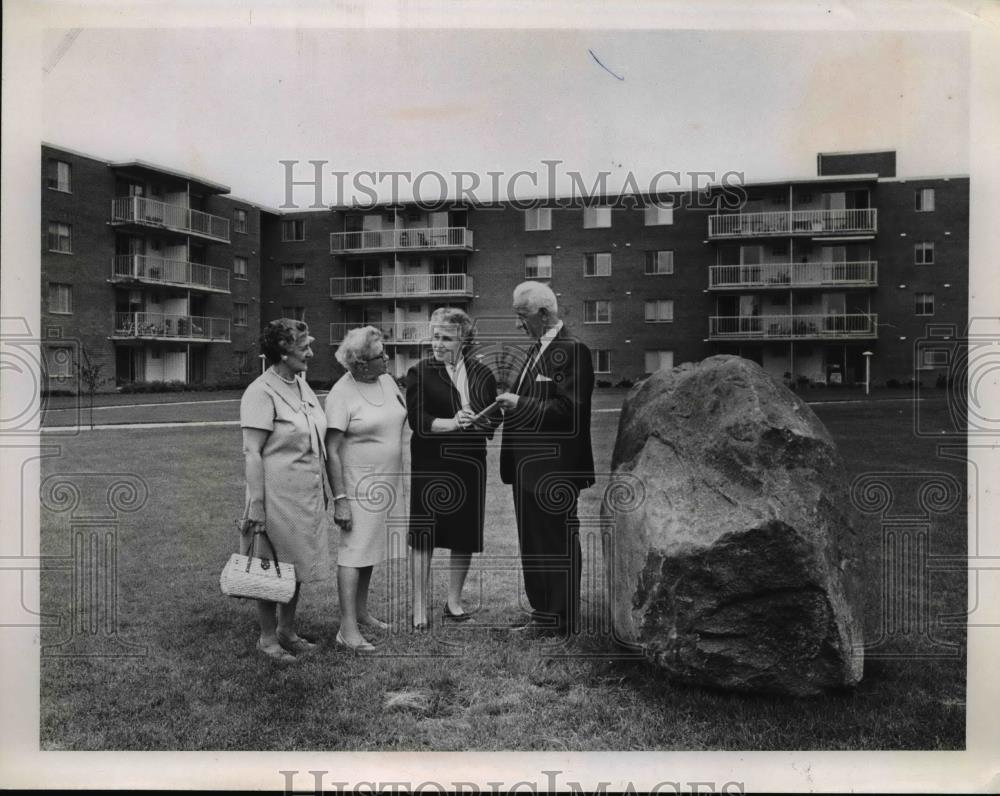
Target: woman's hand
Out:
[255,514]
[342,514]
[464,419]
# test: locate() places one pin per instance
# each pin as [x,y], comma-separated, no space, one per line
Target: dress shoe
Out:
[360,647]
[297,645]
[275,652]
[373,623]
[462,617]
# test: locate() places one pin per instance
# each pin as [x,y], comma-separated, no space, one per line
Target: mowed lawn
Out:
[184,674]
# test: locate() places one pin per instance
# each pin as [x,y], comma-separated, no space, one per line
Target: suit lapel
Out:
[542,365]
[449,385]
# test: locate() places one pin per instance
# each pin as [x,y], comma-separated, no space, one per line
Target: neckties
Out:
[529,362]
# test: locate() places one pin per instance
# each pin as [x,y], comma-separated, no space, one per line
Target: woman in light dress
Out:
[365,415]
[283,430]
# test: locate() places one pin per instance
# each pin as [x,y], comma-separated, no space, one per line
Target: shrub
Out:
[626,382]
[892,384]
[603,383]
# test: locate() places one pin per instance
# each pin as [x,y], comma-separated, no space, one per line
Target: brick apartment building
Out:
[163,276]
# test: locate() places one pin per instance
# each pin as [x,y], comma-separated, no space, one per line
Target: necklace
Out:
[287,381]
[357,386]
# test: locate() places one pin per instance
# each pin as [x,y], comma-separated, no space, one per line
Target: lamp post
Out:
[868,369]
[263,363]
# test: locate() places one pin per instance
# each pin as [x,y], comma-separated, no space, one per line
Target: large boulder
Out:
[733,549]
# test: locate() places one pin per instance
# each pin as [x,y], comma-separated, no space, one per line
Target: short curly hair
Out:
[280,335]
[357,344]
[452,316]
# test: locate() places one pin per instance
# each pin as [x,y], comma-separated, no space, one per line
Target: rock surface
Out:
[733,550]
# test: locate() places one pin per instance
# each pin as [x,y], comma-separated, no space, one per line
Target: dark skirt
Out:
[448,503]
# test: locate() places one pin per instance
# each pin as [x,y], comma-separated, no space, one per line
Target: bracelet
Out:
[341,496]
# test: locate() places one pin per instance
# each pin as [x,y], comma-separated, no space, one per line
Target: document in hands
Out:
[482,416]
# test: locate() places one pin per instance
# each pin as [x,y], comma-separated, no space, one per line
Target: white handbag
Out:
[257,577]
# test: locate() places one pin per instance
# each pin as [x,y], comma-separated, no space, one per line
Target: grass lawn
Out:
[199,684]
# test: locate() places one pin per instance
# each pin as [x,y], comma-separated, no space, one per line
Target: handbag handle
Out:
[263,560]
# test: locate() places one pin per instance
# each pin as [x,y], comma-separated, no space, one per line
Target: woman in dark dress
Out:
[448,463]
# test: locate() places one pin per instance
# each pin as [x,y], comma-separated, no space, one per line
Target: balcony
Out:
[168,326]
[150,213]
[408,333]
[387,240]
[175,273]
[862,273]
[793,222]
[407,287]
[793,327]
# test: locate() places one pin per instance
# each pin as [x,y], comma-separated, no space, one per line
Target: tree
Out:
[90,376]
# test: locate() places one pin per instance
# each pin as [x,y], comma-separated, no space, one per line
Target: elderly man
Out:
[546,455]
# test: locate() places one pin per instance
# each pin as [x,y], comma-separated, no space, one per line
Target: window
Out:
[539,218]
[923,200]
[242,361]
[59,362]
[60,298]
[295,313]
[240,313]
[538,266]
[660,311]
[594,217]
[293,230]
[293,274]
[239,268]
[240,221]
[925,304]
[597,264]
[602,360]
[934,358]
[598,311]
[923,253]
[60,237]
[659,213]
[660,262]
[58,175]
[655,360]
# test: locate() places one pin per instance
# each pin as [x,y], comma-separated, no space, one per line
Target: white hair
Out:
[357,343]
[537,296]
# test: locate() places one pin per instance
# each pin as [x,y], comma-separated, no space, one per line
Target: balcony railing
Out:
[411,286]
[152,213]
[408,333]
[378,240]
[793,222]
[861,273]
[158,271]
[168,326]
[792,327]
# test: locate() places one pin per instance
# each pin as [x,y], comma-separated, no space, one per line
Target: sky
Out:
[230,104]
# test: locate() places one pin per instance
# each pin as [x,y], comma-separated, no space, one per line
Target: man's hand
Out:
[508,401]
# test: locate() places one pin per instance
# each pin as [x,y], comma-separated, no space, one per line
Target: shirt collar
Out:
[550,335]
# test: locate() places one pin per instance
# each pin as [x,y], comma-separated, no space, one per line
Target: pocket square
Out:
[542,377]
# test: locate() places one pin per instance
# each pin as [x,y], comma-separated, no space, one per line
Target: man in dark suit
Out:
[546,455]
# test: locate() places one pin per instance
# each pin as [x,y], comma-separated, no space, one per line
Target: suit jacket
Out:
[430,394]
[548,435]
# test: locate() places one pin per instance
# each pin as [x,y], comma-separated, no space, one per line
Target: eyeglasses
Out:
[382,355]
